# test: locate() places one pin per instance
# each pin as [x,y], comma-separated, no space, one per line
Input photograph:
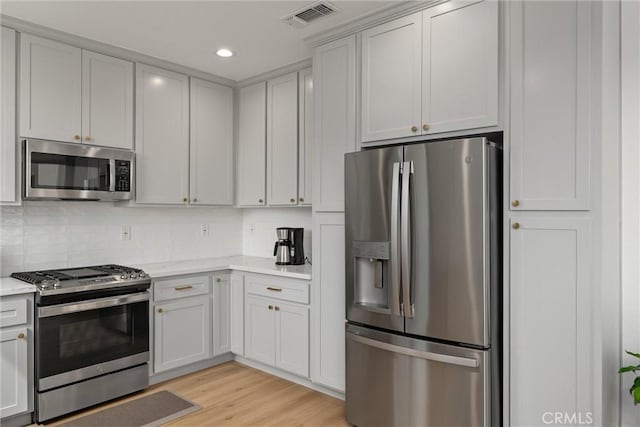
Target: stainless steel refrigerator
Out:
[423,287]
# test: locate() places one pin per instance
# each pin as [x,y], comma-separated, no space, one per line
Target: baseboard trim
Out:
[17,420]
[289,377]
[189,369]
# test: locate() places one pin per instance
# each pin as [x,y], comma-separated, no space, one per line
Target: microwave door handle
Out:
[395,252]
[405,235]
[112,175]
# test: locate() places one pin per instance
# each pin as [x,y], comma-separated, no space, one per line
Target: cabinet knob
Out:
[277,308]
[260,201]
[87,138]
[516,225]
[292,200]
[270,307]
[76,137]
[414,128]
[302,199]
[21,336]
[218,279]
[515,203]
[195,200]
[425,127]
[160,310]
[185,199]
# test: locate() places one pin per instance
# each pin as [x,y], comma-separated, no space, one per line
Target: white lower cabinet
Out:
[16,355]
[237,313]
[277,331]
[182,331]
[550,348]
[221,315]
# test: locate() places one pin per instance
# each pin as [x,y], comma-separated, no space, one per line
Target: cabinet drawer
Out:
[180,287]
[274,287]
[13,312]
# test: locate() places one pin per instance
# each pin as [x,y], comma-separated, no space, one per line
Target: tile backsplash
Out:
[41,235]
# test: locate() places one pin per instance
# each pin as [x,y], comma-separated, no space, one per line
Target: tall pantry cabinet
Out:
[551,302]
[334,85]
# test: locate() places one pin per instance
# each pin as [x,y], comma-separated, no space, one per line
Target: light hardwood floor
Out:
[232,394]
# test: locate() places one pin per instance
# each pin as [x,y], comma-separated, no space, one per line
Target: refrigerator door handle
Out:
[395,253]
[405,232]
[427,355]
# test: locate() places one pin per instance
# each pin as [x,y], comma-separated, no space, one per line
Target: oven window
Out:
[56,171]
[76,340]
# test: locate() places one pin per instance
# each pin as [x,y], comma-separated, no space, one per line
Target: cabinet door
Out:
[550,51]
[305,136]
[182,330]
[162,136]
[9,190]
[107,100]
[329,300]
[50,89]
[391,83]
[221,315]
[334,76]
[551,318]
[211,148]
[460,66]
[292,338]
[259,330]
[282,140]
[252,114]
[14,391]
[237,314]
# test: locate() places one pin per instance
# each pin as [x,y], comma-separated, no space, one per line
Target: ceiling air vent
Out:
[300,18]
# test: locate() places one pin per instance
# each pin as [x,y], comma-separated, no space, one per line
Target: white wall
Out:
[41,235]
[259,228]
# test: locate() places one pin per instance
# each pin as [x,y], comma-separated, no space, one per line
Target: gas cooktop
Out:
[82,278]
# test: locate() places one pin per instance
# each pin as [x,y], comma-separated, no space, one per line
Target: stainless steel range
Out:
[91,336]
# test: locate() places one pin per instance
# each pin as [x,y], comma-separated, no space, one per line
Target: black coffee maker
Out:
[288,248]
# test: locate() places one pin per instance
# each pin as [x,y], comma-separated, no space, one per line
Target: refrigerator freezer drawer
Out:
[398,381]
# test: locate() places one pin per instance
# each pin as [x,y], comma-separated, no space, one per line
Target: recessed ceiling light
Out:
[225,53]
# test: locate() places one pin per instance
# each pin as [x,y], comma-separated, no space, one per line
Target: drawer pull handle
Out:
[160,310]
[269,288]
[21,336]
[218,279]
[183,288]
[277,308]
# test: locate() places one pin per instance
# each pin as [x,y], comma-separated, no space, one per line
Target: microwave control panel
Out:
[123,175]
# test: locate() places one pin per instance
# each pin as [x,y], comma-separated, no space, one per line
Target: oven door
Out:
[56,170]
[80,340]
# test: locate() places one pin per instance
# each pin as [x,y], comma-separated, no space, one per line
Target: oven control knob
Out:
[46,284]
[56,283]
[123,276]
[133,275]
[142,275]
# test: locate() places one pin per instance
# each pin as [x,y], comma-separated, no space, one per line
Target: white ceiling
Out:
[189,32]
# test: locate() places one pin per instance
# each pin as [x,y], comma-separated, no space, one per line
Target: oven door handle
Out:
[73,307]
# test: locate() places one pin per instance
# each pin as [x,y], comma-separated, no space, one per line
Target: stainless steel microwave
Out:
[71,171]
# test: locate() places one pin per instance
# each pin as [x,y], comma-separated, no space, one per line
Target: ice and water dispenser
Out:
[371,270]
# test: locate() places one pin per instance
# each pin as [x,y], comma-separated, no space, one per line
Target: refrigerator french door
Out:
[422,266]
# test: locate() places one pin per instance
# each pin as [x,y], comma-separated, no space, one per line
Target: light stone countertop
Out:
[249,264]
[10,286]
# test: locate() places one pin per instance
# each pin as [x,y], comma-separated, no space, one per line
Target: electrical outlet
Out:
[125,232]
[252,227]
[204,230]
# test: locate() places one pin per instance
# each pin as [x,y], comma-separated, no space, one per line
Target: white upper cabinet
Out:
[50,89]
[460,66]
[334,93]
[74,95]
[211,147]
[305,138]
[430,72]
[282,140]
[107,100]
[162,136]
[252,145]
[391,64]
[550,68]
[9,188]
